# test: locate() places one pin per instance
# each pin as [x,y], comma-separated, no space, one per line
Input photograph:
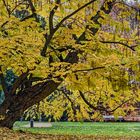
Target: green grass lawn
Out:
[86,128]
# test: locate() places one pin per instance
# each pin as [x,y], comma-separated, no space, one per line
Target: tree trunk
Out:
[10,119]
[13,108]
[15,104]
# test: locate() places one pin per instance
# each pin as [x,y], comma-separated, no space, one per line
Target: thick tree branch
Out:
[18,82]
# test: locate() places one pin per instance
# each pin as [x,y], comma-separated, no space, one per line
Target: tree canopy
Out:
[84,53]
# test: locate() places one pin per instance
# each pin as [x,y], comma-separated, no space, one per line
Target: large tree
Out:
[68,42]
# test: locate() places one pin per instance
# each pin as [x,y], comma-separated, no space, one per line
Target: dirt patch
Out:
[6,134]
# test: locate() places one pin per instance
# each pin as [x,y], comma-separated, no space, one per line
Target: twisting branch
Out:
[50,36]
[120,105]
[86,101]
[52,12]
[121,43]
[101,108]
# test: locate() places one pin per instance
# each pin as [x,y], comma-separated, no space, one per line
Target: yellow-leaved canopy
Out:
[39,36]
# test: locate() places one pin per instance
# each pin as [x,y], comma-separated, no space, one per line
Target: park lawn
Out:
[115,129]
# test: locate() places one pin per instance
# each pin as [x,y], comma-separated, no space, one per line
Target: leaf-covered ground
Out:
[6,134]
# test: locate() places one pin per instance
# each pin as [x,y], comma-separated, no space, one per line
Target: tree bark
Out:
[10,119]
